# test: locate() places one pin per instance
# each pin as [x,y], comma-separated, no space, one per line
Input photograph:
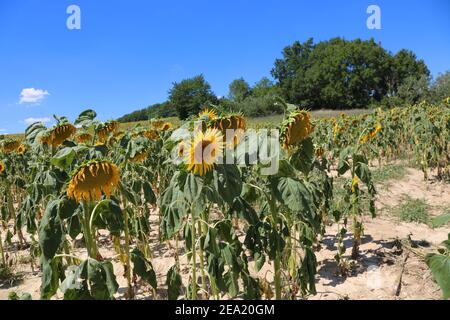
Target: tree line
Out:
[333,74]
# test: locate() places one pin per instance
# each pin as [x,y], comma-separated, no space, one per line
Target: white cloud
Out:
[32,120]
[32,95]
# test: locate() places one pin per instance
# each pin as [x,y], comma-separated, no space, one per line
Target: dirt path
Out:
[377,272]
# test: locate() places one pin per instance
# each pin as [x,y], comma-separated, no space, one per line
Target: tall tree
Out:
[343,74]
[189,96]
[239,89]
[440,88]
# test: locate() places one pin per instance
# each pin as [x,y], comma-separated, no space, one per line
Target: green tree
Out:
[189,96]
[343,74]
[239,89]
[440,88]
[263,88]
[413,90]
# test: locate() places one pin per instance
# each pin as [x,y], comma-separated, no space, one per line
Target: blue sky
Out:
[128,53]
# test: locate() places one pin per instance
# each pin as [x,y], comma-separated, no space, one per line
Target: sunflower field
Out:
[240,229]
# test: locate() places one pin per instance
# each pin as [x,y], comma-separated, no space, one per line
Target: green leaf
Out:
[86,117]
[440,267]
[108,215]
[244,210]
[174,283]
[143,268]
[192,187]
[293,194]
[303,157]
[149,195]
[307,272]
[441,220]
[63,158]
[102,279]
[51,273]
[50,230]
[228,182]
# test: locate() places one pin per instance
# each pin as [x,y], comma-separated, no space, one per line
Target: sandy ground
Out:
[382,271]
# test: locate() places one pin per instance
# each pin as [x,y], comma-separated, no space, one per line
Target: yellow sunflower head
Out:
[204,151]
[91,179]
[59,134]
[232,124]
[166,126]
[181,147]
[2,168]
[296,128]
[10,146]
[84,138]
[207,114]
[22,149]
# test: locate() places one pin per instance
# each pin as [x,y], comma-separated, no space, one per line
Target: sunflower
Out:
[166,126]
[151,134]
[158,124]
[319,152]
[354,184]
[234,122]
[207,114]
[204,151]
[22,149]
[83,138]
[107,128]
[296,128]
[2,168]
[140,156]
[10,146]
[180,149]
[371,134]
[59,134]
[91,179]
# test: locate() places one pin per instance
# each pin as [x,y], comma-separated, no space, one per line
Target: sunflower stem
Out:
[127,250]
[194,259]
[12,213]
[1,250]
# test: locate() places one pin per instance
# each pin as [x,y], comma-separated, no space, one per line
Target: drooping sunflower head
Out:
[371,134]
[84,138]
[140,156]
[10,146]
[57,135]
[22,149]
[232,128]
[207,114]
[166,126]
[296,128]
[93,178]
[151,134]
[106,129]
[204,151]
[157,124]
[2,168]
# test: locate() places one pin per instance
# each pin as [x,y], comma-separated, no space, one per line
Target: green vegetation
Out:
[337,74]
[389,172]
[413,210]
